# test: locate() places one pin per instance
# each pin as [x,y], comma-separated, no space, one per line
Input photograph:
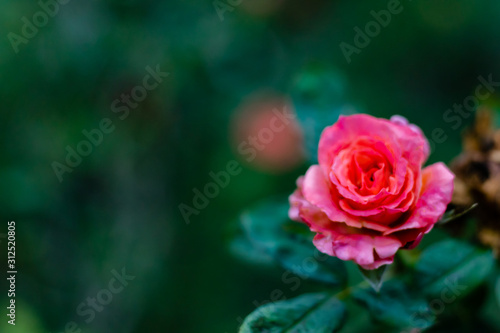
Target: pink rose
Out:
[369,195]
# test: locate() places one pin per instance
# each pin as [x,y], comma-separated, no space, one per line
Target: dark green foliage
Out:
[320,313]
[396,306]
[269,229]
[451,269]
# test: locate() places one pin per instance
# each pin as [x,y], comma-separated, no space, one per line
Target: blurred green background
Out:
[119,208]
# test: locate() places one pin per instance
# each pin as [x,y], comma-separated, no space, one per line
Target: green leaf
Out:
[452,268]
[375,277]
[269,229]
[394,305]
[319,313]
[242,248]
[318,94]
[454,214]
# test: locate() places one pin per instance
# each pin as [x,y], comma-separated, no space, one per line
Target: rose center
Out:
[369,171]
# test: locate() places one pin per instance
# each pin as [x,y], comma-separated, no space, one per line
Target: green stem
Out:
[347,292]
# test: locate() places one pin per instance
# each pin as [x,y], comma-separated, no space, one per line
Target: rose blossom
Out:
[369,195]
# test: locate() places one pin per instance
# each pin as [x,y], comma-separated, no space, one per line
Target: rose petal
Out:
[317,192]
[436,193]
[415,146]
[384,211]
[297,201]
[349,129]
[370,252]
